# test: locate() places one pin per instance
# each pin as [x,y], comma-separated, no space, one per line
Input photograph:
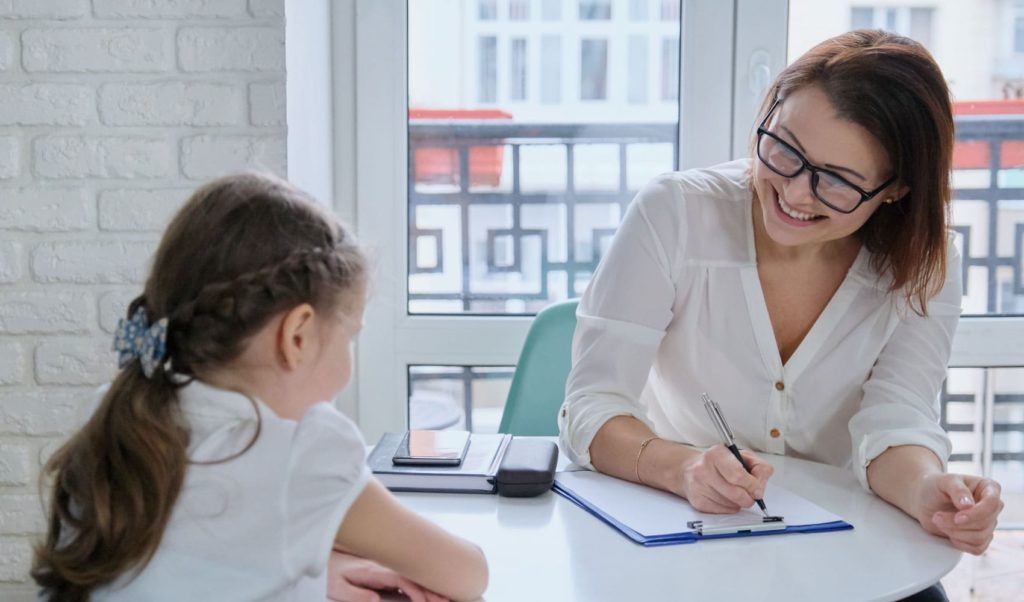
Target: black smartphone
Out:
[432,448]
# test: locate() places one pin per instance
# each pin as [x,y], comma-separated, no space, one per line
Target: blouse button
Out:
[563,412]
[775,433]
[779,385]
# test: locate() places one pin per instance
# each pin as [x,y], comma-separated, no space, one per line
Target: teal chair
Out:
[538,385]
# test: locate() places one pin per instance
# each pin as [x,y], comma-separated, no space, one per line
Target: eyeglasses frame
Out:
[814,169]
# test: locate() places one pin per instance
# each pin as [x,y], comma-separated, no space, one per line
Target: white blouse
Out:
[676,308]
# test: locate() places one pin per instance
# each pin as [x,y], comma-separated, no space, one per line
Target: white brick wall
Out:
[47,104]
[6,50]
[121,50]
[176,103]
[111,112]
[47,210]
[10,157]
[10,262]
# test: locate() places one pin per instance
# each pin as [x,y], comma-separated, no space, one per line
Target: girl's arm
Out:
[380,528]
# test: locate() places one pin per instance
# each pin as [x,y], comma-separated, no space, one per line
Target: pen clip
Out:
[716,417]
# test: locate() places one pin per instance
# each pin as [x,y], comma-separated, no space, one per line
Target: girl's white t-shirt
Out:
[259,526]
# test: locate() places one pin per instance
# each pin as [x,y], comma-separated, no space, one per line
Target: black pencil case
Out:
[527,468]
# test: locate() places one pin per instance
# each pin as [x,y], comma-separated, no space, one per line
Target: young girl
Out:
[212,468]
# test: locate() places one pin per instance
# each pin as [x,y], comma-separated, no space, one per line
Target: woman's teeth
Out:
[793,213]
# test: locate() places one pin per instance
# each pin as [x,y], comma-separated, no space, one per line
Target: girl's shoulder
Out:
[324,421]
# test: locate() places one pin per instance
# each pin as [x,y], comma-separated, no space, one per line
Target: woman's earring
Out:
[889,201]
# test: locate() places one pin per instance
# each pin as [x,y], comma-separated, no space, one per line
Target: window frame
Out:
[392,339]
[730,51]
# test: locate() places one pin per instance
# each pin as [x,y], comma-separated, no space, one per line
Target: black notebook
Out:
[476,474]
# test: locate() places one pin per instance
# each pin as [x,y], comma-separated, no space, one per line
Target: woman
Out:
[812,290]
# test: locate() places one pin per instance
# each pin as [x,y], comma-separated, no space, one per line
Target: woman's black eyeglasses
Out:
[829,187]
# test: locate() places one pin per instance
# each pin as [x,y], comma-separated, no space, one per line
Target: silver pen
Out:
[727,438]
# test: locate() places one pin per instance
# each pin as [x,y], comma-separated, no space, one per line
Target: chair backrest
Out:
[538,385]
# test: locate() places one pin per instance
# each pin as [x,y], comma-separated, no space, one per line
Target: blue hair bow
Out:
[137,338]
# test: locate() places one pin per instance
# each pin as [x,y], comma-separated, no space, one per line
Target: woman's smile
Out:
[793,217]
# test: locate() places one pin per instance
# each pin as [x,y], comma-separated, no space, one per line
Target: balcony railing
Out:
[432,143]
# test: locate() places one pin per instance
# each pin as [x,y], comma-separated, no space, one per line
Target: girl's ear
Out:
[295,336]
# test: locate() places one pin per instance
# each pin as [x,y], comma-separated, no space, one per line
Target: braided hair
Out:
[243,249]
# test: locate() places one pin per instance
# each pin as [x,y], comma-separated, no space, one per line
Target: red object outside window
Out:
[974,154]
[440,165]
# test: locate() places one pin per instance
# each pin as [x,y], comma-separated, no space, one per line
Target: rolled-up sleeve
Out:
[901,397]
[622,318]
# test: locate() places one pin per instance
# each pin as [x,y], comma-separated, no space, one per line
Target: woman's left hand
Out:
[354,579]
[963,508]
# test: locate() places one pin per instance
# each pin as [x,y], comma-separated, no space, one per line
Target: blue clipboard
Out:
[594,507]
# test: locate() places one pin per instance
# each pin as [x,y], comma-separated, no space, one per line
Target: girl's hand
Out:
[354,579]
[714,481]
[963,508]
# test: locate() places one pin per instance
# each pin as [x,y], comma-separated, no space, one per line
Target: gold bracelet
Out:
[636,465]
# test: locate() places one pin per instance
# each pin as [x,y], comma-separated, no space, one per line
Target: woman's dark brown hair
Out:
[891,86]
[243,249]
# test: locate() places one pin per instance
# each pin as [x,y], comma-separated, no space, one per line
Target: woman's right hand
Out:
[714,481]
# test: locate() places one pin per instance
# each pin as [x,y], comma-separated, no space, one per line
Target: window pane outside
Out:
[532,125]
[517,70]
[670,69]
[594,10]
[488,75]
[458,397]
[530,131]
[593,69]
[518,10]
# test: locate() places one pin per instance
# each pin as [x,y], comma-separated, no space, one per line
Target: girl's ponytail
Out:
[115,484]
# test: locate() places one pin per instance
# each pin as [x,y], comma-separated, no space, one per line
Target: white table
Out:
[546,548]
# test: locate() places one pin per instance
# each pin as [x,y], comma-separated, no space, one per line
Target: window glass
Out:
[670,69]
[593,69]
[517,70]
[488,74]
[458,397]
[487,10]
[595,10]
[518,10]
[528,137]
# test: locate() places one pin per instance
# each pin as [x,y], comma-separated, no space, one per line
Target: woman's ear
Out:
[296,341]
[902,192]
